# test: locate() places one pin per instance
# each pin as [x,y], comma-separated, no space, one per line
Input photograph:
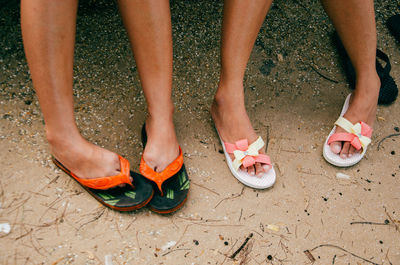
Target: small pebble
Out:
[342,176]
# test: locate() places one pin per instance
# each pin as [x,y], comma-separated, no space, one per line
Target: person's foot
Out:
[162,146]
[233,124]
[84,159]
[362,107]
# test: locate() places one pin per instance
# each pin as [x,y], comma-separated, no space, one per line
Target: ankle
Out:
[57,139]
[231,101]
[160,113]
[368,81]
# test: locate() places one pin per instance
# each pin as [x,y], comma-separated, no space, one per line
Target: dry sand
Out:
[53,221]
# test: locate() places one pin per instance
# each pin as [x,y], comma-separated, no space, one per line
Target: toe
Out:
[336,147]
[345,150]
[352,151]
[266,167]
[251,170]
[259,169]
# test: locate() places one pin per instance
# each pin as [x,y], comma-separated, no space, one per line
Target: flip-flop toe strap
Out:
[160,177]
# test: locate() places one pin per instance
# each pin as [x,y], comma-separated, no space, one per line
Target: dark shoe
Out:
[388,91]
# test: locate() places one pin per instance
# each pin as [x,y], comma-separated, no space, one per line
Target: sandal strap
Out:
[359,134]
[103,183]
[160,177]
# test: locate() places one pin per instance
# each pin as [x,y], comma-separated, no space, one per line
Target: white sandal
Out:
[359,136]
[247,155]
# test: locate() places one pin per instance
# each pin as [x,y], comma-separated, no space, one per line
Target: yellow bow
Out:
[356,130]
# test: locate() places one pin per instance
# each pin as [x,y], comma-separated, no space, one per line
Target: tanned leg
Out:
[354,21]
[241,24]
[148,24]
[48,31]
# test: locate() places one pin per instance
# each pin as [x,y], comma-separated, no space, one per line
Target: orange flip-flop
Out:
[171,185]
[132,196]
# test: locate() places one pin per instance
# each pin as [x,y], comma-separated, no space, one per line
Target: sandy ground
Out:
[53,221]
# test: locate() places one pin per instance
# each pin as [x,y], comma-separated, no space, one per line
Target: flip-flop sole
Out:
[176,190]
[124,198]
[335,159]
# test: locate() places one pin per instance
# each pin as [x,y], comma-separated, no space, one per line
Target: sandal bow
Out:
[247,155]
[359,134]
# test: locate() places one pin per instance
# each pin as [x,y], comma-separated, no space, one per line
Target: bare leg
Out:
[48,30]
[148,24]
[354,21]
[241,24]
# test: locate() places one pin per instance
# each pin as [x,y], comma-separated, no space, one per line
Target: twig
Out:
[165,254]
[342,249]
[391,219]
[137,240]
[267,140]
[242,246]
[201,186]
[369,223]
[33,245]
[180,239]
[49,207]
[226,255]
[245,253]
[227,225]
[333,260]
[241,211]
[309,230]
[134,219]
[100,213]
[21,236]
[228,198]
[387,137]
[50,182]
[117,227]
[387,257]
[322,75]
[57,261]
[37,193]
[309,255]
